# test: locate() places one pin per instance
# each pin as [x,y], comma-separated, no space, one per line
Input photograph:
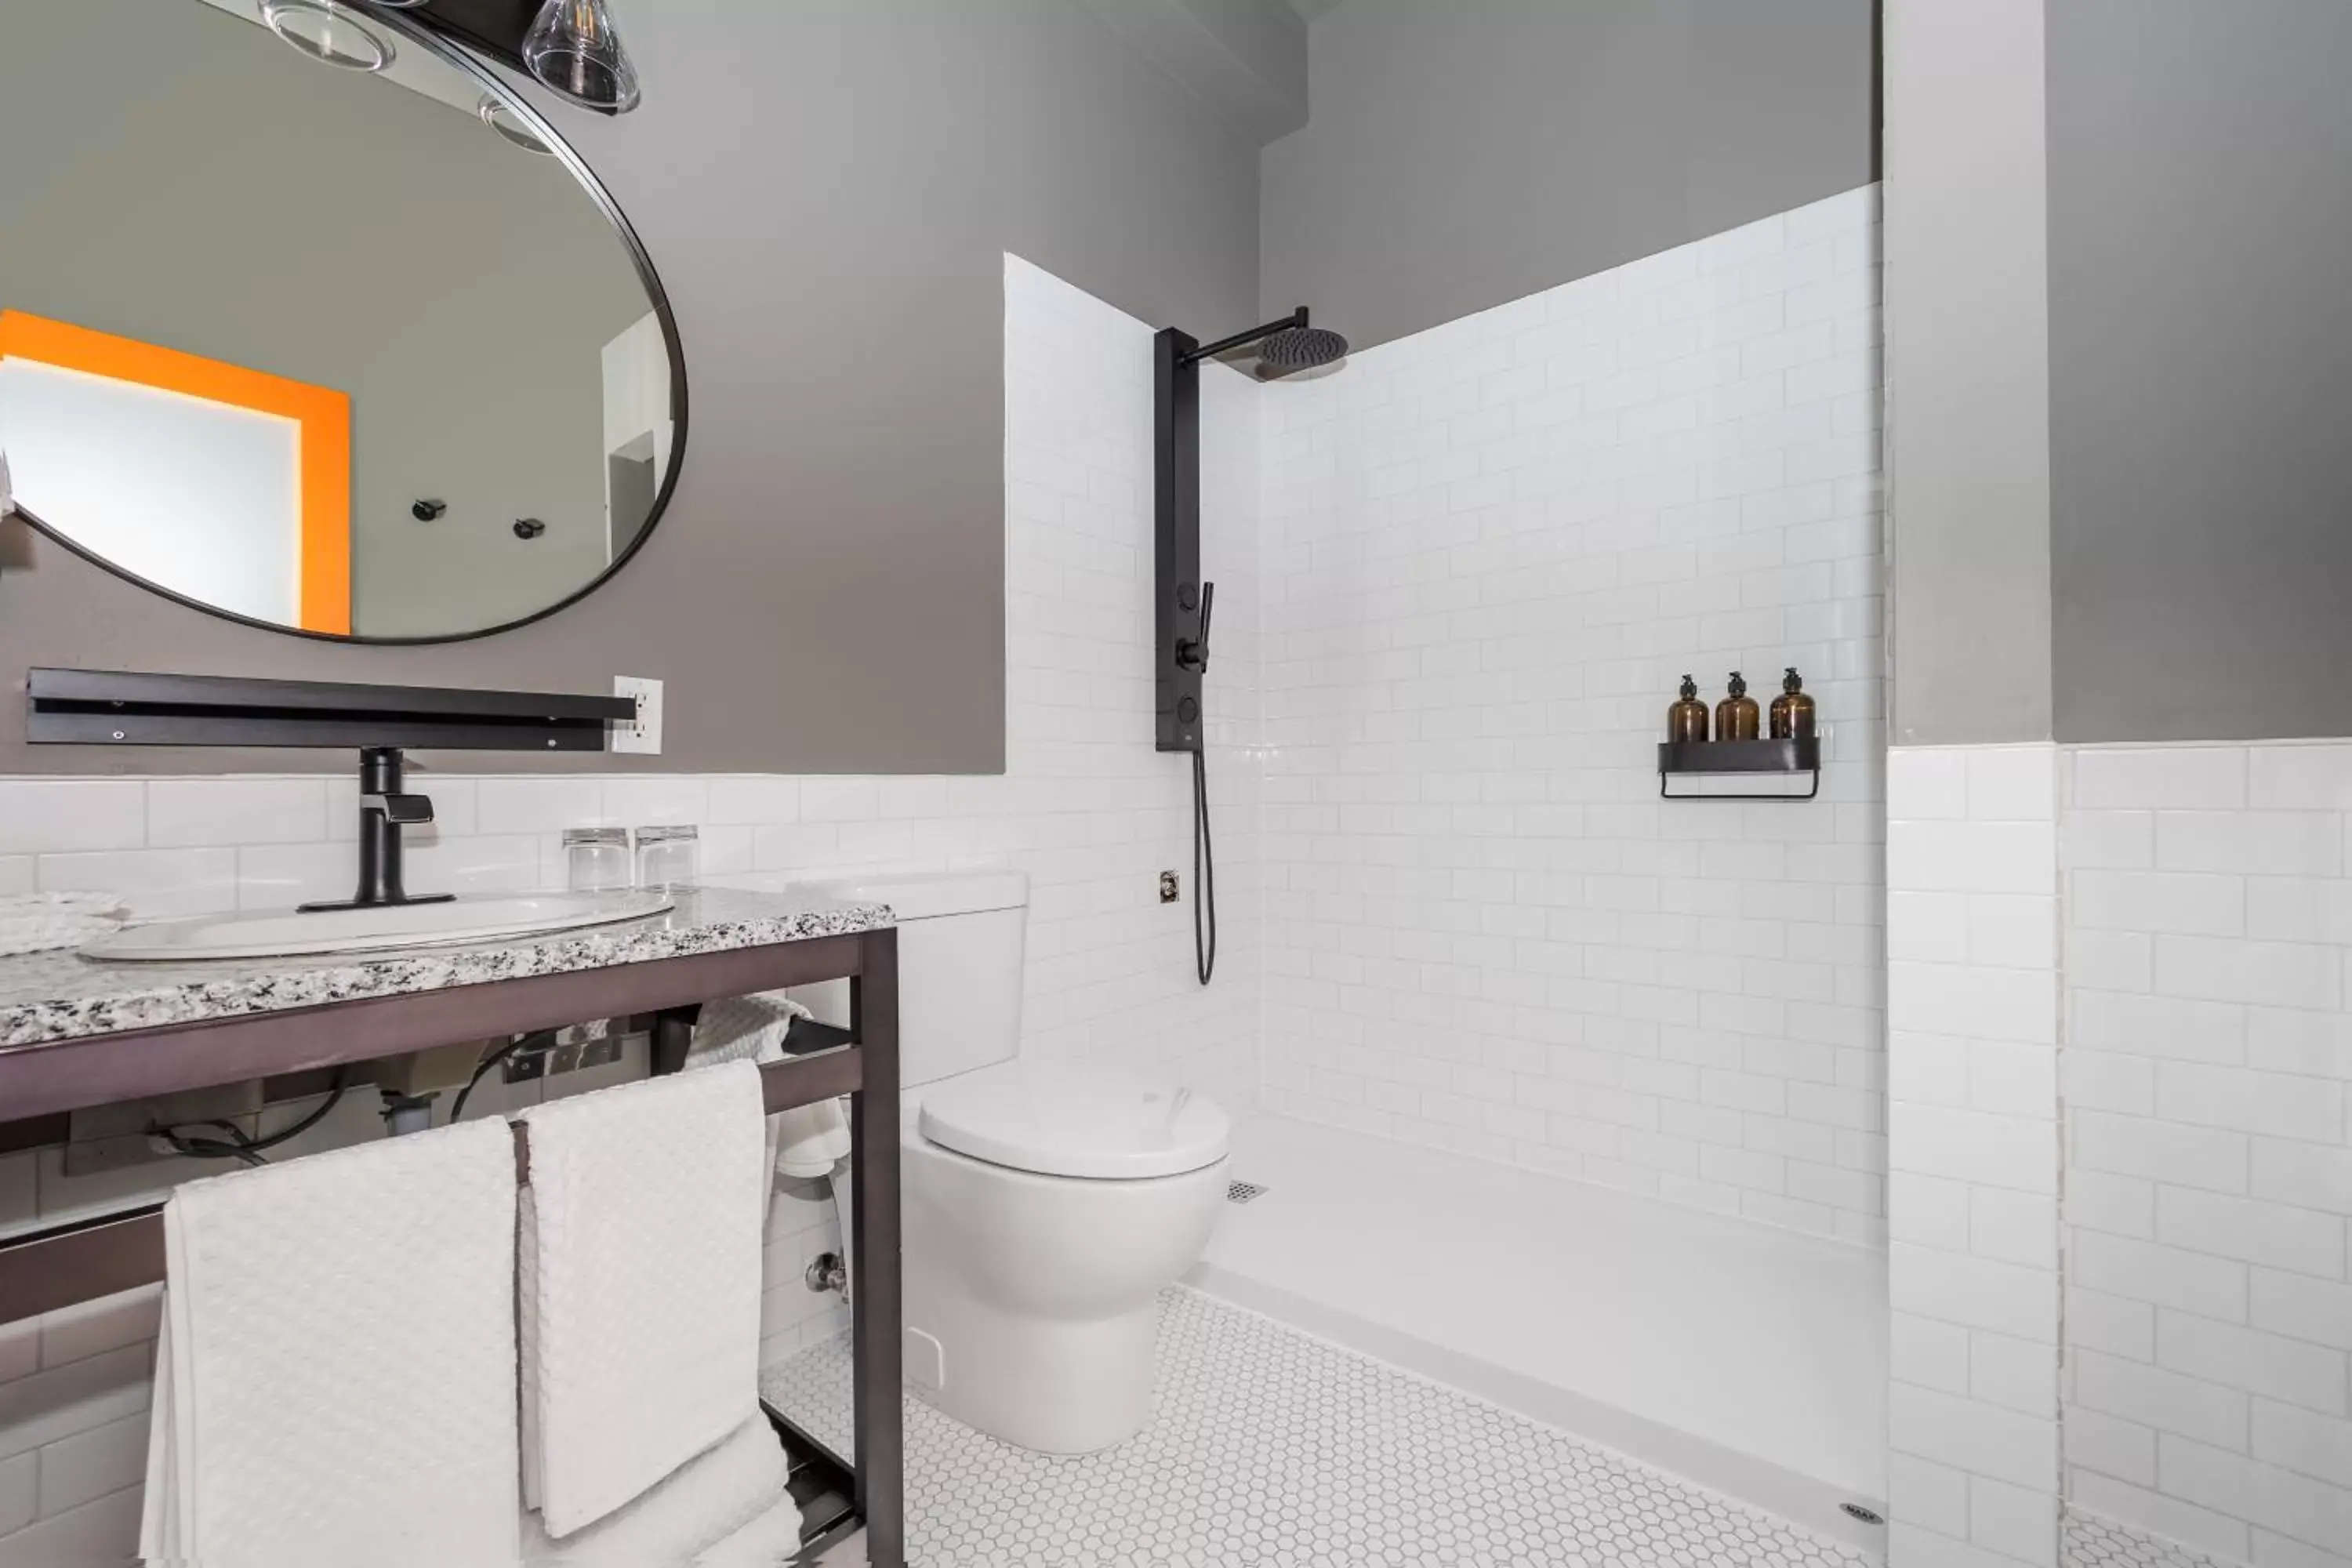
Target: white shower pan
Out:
[288,933]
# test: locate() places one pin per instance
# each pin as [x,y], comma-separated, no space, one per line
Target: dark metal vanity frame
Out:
[68,1264]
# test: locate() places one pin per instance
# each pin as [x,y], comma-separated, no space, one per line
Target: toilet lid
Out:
[1065,1119]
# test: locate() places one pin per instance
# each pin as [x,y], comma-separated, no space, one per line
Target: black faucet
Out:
[384,810]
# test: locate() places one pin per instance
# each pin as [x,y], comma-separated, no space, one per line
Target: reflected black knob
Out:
[428,510]
[529,527]
[1187,711]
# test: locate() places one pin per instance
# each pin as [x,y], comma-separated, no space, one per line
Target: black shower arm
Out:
[1296,318]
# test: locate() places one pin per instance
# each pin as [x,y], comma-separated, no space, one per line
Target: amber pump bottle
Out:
[1686,720]
[1793,711]
[1737,717]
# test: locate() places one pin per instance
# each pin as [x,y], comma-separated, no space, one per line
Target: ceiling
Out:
[1310,9]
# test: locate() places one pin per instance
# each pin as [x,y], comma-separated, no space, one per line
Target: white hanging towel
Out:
[692,1515]
[638,1285]
[804,1142]
[335,1380]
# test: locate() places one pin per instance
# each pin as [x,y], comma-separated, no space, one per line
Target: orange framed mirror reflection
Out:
[320,415]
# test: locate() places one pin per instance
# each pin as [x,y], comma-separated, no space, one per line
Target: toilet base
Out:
[1053,1386]
[1032,1302]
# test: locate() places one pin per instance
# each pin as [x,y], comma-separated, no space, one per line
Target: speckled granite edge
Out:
[49,997]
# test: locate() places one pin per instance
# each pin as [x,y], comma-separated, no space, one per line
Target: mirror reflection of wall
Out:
[231,242]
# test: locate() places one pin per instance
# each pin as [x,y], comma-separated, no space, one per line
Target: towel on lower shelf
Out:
[335,1379]
[44,922]
[804,1142]
[638,1285]
[726,1507]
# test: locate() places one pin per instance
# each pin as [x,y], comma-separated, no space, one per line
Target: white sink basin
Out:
[288,933]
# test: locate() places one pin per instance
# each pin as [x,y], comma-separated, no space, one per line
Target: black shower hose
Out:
[1204,871]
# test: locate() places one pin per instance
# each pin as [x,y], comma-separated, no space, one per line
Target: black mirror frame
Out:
[462,60]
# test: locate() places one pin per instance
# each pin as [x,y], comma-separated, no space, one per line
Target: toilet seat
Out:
[1070,1119]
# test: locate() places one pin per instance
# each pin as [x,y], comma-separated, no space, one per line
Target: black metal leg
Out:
[875,1310]
[673,1032]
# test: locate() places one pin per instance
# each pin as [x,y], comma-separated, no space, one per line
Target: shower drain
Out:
[1243,1191]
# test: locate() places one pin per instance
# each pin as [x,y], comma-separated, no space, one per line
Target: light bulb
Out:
[574,50]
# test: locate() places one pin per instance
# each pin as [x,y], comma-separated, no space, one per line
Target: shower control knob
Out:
[428,510]
[529,527]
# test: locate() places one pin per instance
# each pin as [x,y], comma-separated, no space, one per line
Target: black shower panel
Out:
[1181,617]
[1184,607]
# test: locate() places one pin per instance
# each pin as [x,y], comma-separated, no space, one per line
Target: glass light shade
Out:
[573,48]
[330,33]
[501,116]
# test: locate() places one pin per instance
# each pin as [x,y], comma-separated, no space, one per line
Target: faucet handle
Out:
[404,809]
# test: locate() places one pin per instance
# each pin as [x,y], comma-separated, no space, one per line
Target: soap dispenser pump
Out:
[1793,711]
[1737,717]
[1686,719]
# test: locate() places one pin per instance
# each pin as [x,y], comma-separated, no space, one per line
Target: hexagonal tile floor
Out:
[1273,1449]
[2091,1541]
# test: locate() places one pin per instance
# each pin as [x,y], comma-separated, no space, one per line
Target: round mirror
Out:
[306,322]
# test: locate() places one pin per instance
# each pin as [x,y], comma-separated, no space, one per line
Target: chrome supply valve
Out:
[825,1272]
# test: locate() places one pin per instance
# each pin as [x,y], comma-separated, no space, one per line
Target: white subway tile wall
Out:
[1085,805]
[2207,1079]
[1493,550]
[1972,1018]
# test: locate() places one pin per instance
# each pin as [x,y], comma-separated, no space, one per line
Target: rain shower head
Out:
[1300,348]
[1283,346]
[1180,623]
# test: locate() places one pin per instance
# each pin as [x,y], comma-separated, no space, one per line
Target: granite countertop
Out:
[50,996]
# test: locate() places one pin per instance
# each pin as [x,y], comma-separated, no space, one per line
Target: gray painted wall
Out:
[459,291]
[1968,372]
[2201,368]
[828,190]
[1462,155]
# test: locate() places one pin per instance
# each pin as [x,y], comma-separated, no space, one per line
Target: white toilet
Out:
[1046,1204]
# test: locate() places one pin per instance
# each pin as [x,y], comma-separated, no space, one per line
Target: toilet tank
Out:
[959,949]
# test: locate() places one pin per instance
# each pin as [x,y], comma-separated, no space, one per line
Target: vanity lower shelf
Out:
[1701,759]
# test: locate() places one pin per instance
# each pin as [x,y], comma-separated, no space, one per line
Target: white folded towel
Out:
[638,1285]
[694,1515]
[743,1028]
[768,1542]
[335,1381]
[804,1142]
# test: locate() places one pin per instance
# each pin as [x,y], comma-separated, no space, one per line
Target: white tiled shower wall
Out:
[1085,805]
[1972,1201]
[2121,1208]
[2207,1079]
[1492,551]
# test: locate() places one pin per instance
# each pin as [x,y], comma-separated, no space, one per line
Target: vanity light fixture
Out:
[328,32]
[501,116]
[575,50]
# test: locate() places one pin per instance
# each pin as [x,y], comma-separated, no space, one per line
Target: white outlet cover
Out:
[644,737]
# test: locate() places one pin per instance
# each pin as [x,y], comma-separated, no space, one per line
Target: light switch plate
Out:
[644,736]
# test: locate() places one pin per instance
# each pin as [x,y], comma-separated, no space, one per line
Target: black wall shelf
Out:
[119,708]
[1700,758]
